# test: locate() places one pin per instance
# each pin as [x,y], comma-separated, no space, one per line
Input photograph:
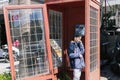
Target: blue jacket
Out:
[74,51]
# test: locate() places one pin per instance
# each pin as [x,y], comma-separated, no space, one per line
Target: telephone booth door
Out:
[28,32]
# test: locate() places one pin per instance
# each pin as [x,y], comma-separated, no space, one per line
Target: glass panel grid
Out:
[26,26]
[93,39]
[55,20]
[118,18]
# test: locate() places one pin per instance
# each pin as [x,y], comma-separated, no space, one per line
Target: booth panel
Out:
[28,30]
[27,33]
[94,41]
[60,1]
[55,29]
[94,65]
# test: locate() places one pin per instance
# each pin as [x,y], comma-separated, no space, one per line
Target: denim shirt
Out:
[74,51]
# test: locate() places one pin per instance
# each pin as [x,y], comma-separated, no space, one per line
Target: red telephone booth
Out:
[46,29]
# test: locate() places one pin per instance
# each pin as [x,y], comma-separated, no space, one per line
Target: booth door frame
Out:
[9,41]
[91,75]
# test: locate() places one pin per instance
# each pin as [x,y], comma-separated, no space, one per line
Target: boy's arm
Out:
[82,50]
[72,52]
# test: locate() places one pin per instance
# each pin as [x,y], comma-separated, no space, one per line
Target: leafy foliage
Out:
[5,76]
[64,76]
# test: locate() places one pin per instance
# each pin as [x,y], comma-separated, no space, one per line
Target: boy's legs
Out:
[76,74]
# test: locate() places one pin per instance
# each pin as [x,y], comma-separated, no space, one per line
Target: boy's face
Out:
[78,39]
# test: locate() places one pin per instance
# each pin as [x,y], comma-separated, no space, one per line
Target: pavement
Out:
[5,67]
[103,78]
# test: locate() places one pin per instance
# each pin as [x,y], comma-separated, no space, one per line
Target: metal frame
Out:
[47,43]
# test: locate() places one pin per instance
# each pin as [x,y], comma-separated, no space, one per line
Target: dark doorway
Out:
[2,31]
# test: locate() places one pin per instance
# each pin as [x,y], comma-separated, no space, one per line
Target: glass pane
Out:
[55,21]
[93,39]
[27,33]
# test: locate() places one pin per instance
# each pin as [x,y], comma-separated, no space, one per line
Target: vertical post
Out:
[87,42]
[46,22]
[12,67]
[105,17]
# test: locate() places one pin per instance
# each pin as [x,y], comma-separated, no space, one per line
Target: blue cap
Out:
[79,30]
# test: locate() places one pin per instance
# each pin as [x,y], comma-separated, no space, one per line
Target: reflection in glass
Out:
[27,34]
[55,20]
[16,31]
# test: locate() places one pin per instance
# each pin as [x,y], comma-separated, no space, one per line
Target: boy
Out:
[76,51]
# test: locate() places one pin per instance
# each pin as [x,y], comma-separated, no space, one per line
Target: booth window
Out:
[55,22]
[118,18]
[93,38]
[27,26]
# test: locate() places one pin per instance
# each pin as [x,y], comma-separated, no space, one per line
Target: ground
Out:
[106,72]
[5,67]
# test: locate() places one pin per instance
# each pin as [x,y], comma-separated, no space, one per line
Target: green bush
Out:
[5,76]
[63,76]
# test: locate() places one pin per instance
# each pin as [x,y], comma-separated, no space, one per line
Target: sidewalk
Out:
[5,67]
[103,78]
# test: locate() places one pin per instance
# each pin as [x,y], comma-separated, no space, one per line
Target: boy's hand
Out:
[81,56]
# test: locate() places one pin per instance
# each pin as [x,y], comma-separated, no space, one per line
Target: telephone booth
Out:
[44,32]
